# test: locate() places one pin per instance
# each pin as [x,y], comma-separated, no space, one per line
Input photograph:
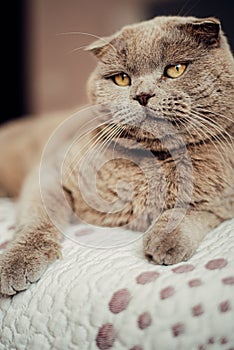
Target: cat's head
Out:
[165,76]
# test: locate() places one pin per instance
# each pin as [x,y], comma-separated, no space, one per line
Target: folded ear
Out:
[102,45]
[205,30]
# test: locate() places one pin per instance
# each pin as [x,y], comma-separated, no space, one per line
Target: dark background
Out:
[222,9]
[14,36]
[13,99]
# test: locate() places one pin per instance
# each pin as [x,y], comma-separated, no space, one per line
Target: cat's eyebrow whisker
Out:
[78,48]
[106,42]
[180,13]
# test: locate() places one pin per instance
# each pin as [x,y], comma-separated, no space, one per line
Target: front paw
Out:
[21,266]
[167,248]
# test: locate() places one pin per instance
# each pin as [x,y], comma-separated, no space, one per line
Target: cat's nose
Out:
[143,98]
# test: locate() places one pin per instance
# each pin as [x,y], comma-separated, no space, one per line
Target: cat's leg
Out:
[165,246]
[36,242]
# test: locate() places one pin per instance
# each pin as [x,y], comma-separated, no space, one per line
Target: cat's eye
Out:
[175,71]
[121,79]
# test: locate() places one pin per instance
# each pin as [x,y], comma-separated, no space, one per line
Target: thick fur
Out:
[176,152]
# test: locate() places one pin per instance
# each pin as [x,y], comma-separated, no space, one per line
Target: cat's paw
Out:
[20,266]
[167,249]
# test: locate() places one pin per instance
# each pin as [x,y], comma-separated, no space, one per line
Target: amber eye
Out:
[121,79]
[175,71]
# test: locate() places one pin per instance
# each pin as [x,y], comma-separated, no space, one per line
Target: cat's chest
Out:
[118,188]
[129,187]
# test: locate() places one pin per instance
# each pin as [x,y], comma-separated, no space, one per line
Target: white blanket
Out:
[112,298]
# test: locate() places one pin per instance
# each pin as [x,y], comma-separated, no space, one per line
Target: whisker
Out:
[197,124]
[78,48]
[117,130]
[73,161]
[221,131]
[95,140]
[107,123]
[107,132]
[206,131]
[184,123]
[120,130]
[91,35]
[218,134]
[202,109]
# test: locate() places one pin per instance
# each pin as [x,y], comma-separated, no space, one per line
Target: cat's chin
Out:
[166,146]
[144,128]
[154,133]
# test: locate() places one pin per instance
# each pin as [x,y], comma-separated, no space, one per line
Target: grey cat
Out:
[164,91]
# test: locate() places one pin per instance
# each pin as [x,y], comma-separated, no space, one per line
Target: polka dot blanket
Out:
[105,295]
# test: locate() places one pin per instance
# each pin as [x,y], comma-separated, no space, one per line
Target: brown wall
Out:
[57,68]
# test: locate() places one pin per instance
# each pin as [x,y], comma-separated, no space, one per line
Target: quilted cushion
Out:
[103,294]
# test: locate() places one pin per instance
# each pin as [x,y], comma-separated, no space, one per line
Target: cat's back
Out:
[21,145]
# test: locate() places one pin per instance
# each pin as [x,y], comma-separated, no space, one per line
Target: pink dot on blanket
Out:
[197,310]
[216,264]
[183,268]
[195,283]
[83,232]
[144,320]
[228,280]
[223,340]
[224,306]
[106,337]
[177,329]
[167,292]
[4,245]
[210,340]
[147,277]
[136,347]
[201,347]
[119,301]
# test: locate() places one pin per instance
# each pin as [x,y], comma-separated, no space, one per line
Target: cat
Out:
[162,97]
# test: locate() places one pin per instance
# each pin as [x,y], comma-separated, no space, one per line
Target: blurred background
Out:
[44,67]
